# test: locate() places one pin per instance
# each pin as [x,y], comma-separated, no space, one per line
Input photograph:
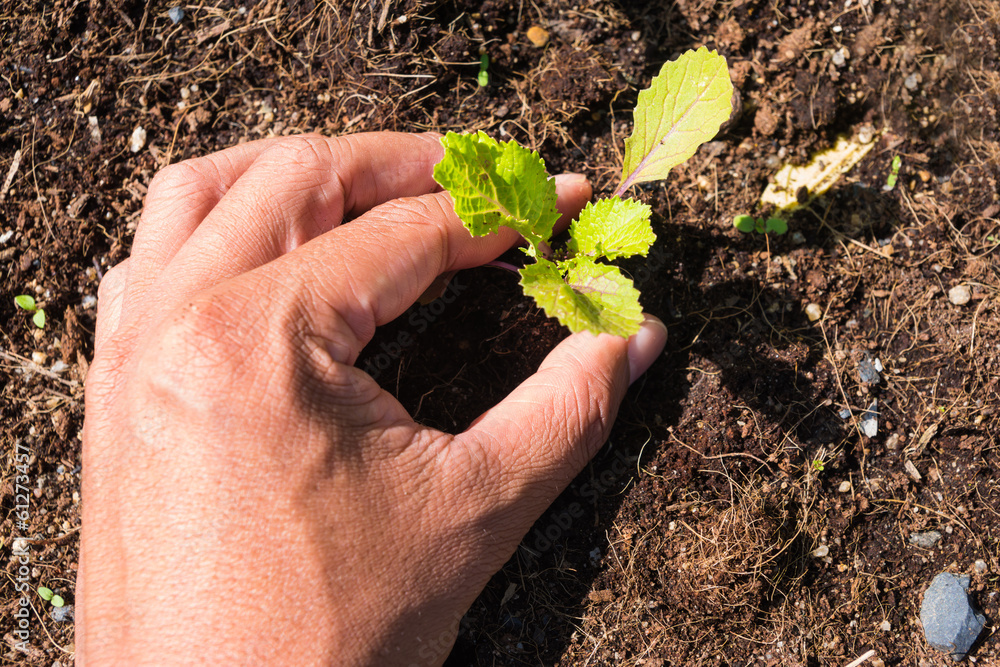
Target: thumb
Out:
[545,431]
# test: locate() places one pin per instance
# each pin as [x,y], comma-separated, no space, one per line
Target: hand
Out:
[250,497]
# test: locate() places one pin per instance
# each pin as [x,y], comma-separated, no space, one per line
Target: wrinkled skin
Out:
[249,496]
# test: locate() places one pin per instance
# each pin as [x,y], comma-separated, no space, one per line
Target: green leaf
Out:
[498,183]
[57,601]
[484,75]
[39,318]
[612,228]
[744,223]
[776,225]
[591,297]
[25,301]
[45,593]
[683,107]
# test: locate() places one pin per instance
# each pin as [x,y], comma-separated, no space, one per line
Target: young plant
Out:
[27,302]
[890,182]
[50,597]
[501,183]
[748,223]
[484,74]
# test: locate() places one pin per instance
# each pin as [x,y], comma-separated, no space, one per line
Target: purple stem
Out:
[502,265]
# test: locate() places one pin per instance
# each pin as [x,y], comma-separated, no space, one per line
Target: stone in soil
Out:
[950,623]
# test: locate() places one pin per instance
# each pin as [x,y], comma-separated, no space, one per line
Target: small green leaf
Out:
[612,228]
[591,297]
[744,223]
[45,593]
[684,106]
[776,225]
[484,75]
[57,601]
[39,318]
[498,183]
[25,301]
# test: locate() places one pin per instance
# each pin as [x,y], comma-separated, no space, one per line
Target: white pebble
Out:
[845,487]
[6,236]
[138,139]
[960,295]
[814,311]
[822,551]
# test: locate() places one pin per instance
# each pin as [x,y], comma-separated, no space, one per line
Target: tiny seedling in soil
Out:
[27,302]
[748,224]
[484,75]
[47,595]
[501,183]
[890,182]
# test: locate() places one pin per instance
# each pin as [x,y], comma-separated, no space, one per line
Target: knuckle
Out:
[113,282]
[182,178]
[201,355]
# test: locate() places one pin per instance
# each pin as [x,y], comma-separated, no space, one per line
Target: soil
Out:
[735,516]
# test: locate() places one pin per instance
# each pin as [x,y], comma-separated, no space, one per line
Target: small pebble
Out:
[980,566]
[845,487]
[6,236]
[59,367]
[39,357]
[822,551]
[88,301]
[950,623]
[912,81]
[840,56]
[925,540]
[960,295]
[539,36]
[814,311]
[62,614]
[175,14]
[886,626]
[636,35]
[138,139]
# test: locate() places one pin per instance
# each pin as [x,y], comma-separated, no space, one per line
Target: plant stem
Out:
[502,265]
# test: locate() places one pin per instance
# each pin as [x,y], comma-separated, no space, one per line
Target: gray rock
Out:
[950,623]
[925,540]
[62,614]
[175,14]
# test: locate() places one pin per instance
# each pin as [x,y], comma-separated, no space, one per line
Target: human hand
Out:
[252,497]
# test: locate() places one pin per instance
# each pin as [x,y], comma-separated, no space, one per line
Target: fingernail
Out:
[571,179]
[645,346]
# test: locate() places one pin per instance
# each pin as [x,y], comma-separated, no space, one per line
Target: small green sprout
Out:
[47,595]
[818,465]
[27,302]
[748,223]
[484,75]
[890,182]
[495,184]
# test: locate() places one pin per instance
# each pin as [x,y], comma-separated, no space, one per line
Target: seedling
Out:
[501,183]
[890,182]
[50,597]
[818,465]
[27,302]
[748,223]
[484,75]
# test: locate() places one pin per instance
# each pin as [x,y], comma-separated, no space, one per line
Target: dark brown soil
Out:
[697,536]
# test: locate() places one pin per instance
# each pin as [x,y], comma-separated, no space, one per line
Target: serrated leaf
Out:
[39,318]
[25,301]
[683,107]
[611,228]
[498,183]
[584,295]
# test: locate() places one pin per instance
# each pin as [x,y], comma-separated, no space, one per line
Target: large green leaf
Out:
[683,107]
[498,183]
[591,297]
[612,227]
